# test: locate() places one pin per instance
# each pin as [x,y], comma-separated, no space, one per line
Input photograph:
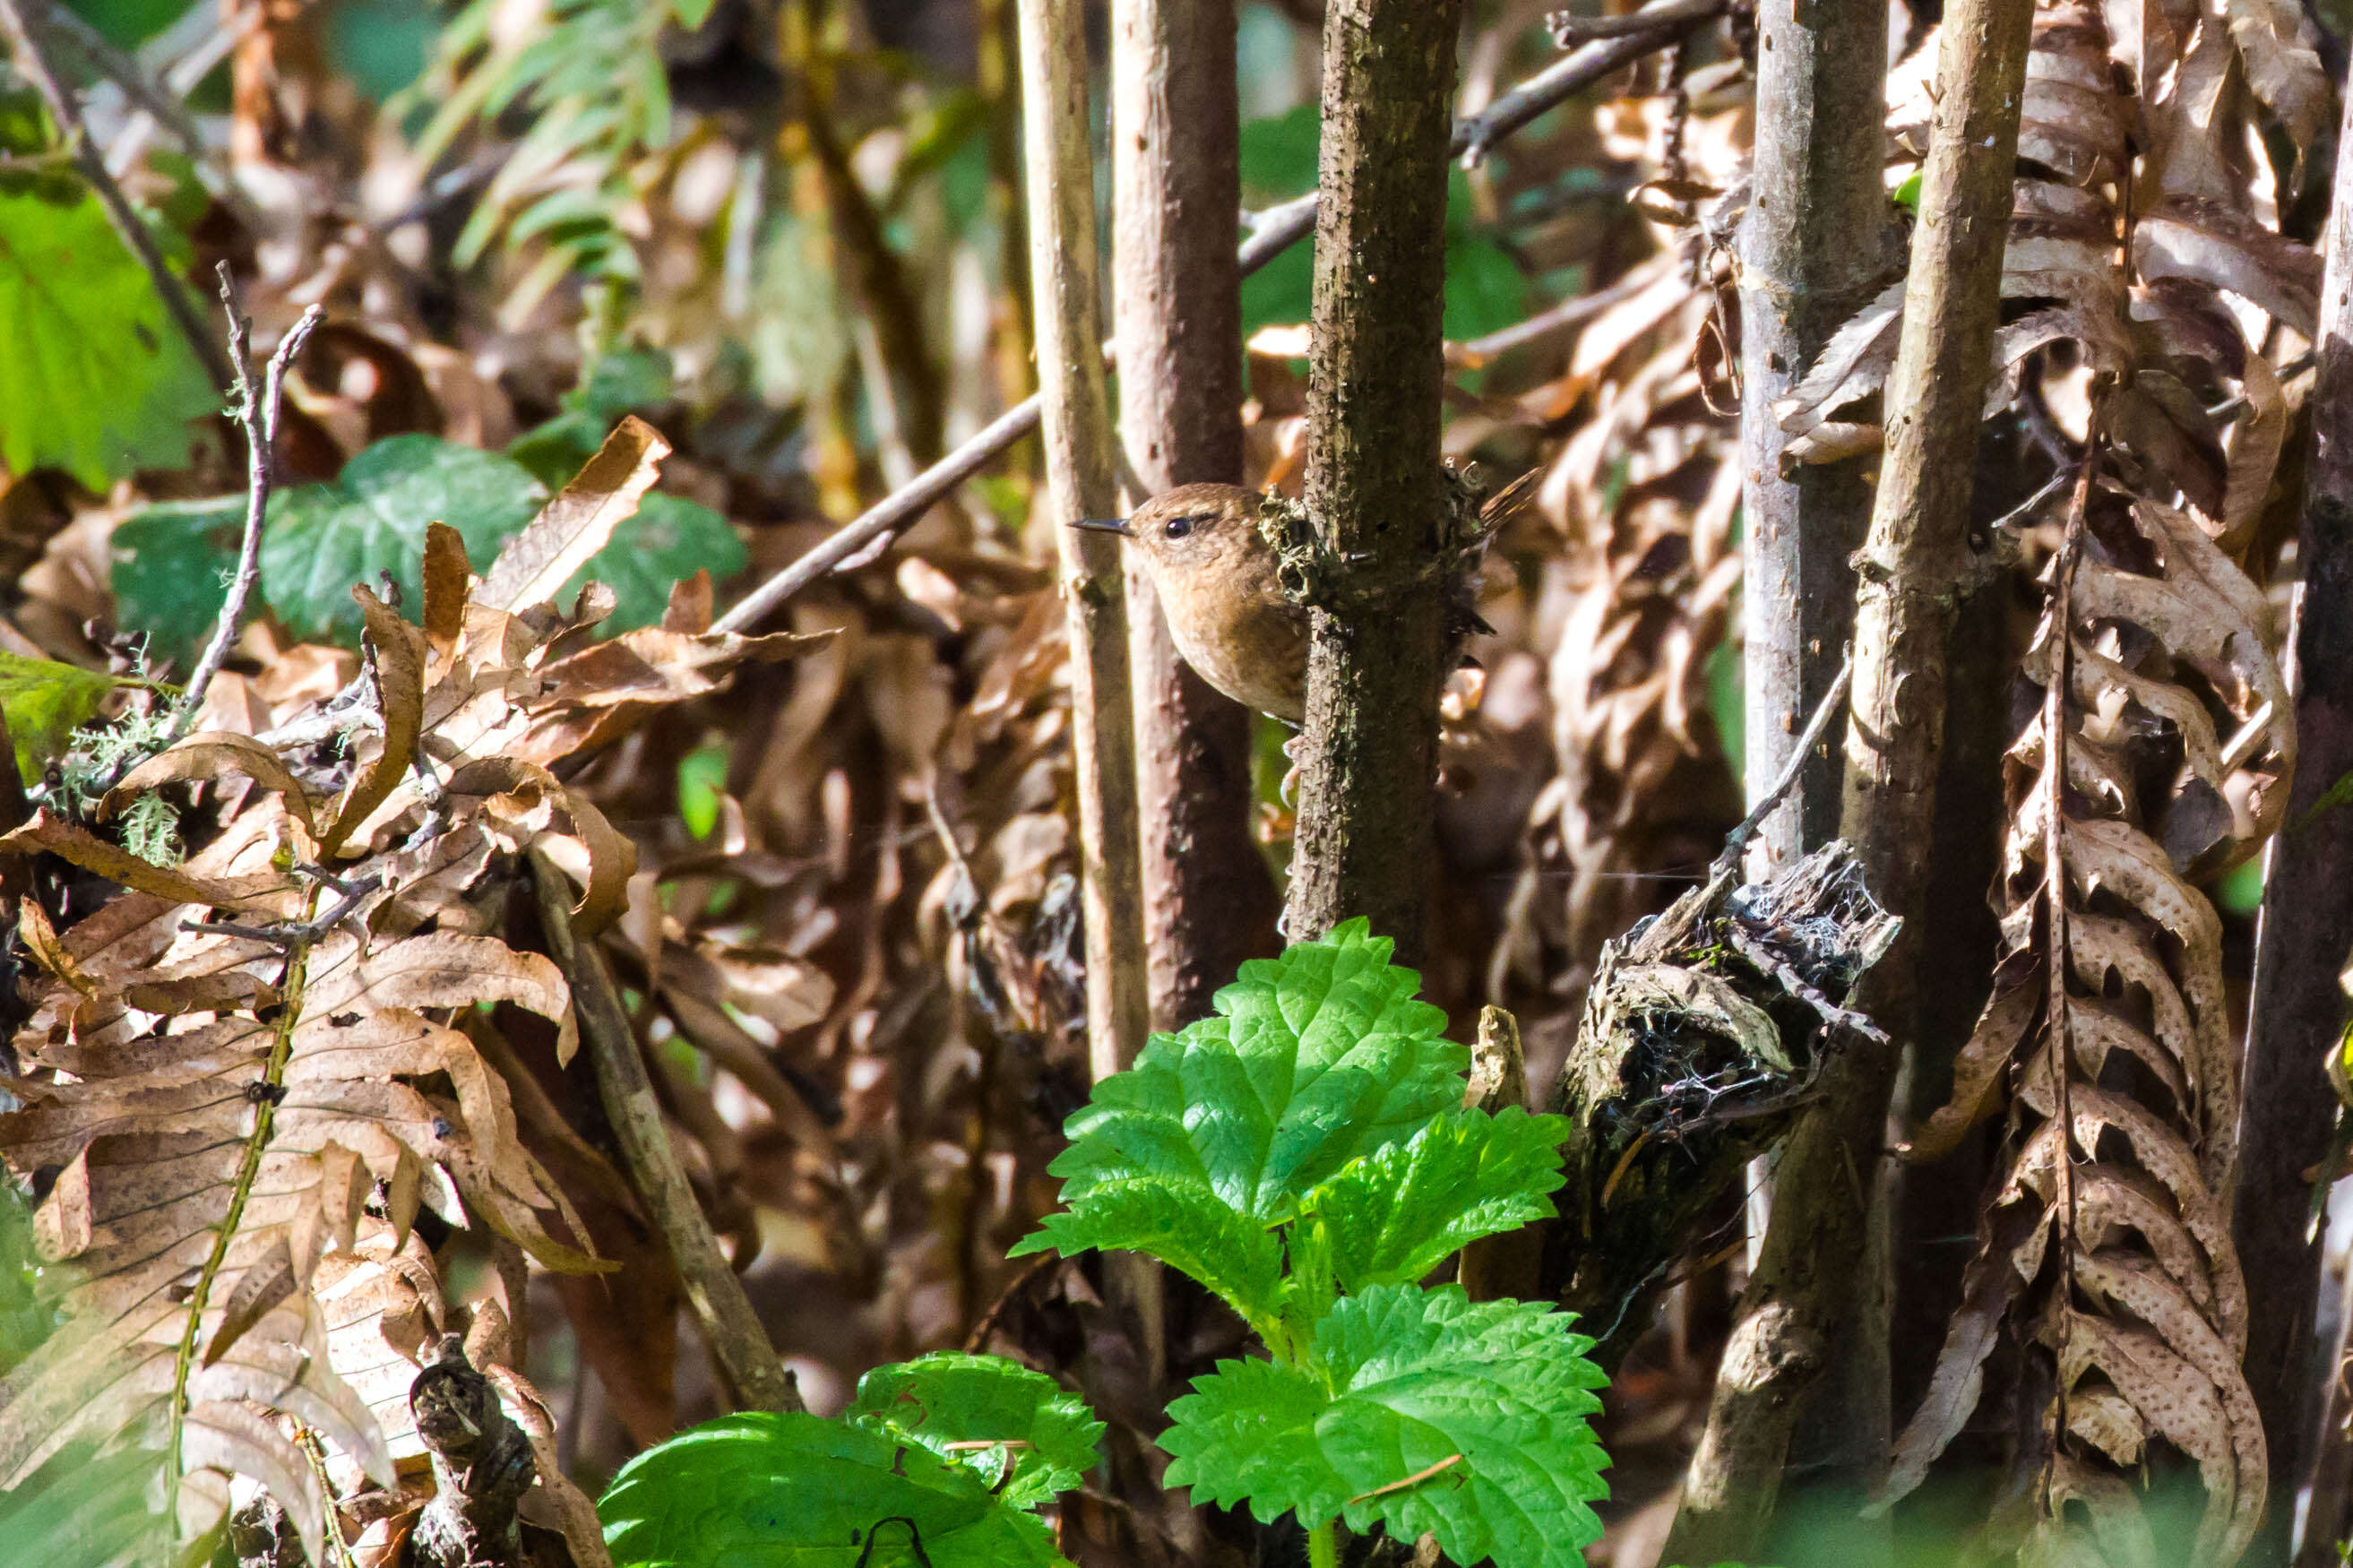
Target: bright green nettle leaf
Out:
[323,539]
[1217,1133]
[45,702]
[1392,1216]
[94,378]
[1016,1429]
[768,1491]
[1418,1411]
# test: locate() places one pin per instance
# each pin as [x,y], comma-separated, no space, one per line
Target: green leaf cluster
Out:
[1305,1153]
[1417,1410]
[590,79]
[171,562]
[938,1462]
[94,378]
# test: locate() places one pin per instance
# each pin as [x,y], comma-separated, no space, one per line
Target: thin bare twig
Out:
[26,51]
[1272,232]
[123,71]
[1651,28]
[1573,311]
[1568,29]
[293,935]
[259,418]
[1832,702]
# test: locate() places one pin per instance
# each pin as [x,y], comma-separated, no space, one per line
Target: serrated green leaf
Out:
[323,539]
[1040,1440]
[94,378]
[1310,1060]
[1418,1411]
[45,702]
[169,569]
[667,541]
[1185,1226]
[764,1489]
[1394,1216]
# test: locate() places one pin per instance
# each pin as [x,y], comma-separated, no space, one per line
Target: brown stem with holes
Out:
[1817,1303]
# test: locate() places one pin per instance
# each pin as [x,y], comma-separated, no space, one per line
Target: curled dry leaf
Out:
[240,1118]
[533,566]
[2104,1248]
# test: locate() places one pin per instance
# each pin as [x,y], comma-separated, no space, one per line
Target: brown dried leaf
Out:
[206,756]
[397,652]
[49,833]
[534,565]
[448,578]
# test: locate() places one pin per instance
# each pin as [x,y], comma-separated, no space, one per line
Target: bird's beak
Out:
[1105,525]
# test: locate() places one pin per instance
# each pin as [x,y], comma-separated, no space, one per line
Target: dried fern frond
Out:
[1643,493]
[237,1119]
[2143,272]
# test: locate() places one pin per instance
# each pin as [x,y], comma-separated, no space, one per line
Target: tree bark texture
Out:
[1375,494]
[2306,925]
[1209,901]
[1076,424]
[1807,264]
[1819,1295]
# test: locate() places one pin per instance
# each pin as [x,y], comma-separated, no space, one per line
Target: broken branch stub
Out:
[1703,1033]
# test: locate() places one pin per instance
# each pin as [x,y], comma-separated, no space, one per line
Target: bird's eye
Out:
[1178,527]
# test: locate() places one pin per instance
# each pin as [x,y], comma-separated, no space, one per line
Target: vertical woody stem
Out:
[1076,431]
[2306,929]
[1373,486]
[1209,902]
[1815,1308]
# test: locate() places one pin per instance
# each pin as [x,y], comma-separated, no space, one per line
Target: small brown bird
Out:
[1215,574]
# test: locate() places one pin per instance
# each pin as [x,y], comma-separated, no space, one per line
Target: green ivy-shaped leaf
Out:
[94,378]
[667,541]
[1418,1411]
[323,539]
[371,518]
[1392,1216]
[764,1489]
[624,381]
[1016,1429]
[170,570]
[45,702]
[1217,1133]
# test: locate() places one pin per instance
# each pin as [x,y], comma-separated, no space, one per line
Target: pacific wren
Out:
[1218,582]
[1216,578]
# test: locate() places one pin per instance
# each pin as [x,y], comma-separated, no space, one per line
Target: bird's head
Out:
[1193,530]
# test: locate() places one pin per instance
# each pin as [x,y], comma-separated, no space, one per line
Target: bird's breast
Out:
[1256,654]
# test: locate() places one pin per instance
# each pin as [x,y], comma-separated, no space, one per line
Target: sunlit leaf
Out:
[94,378]
[45,702]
